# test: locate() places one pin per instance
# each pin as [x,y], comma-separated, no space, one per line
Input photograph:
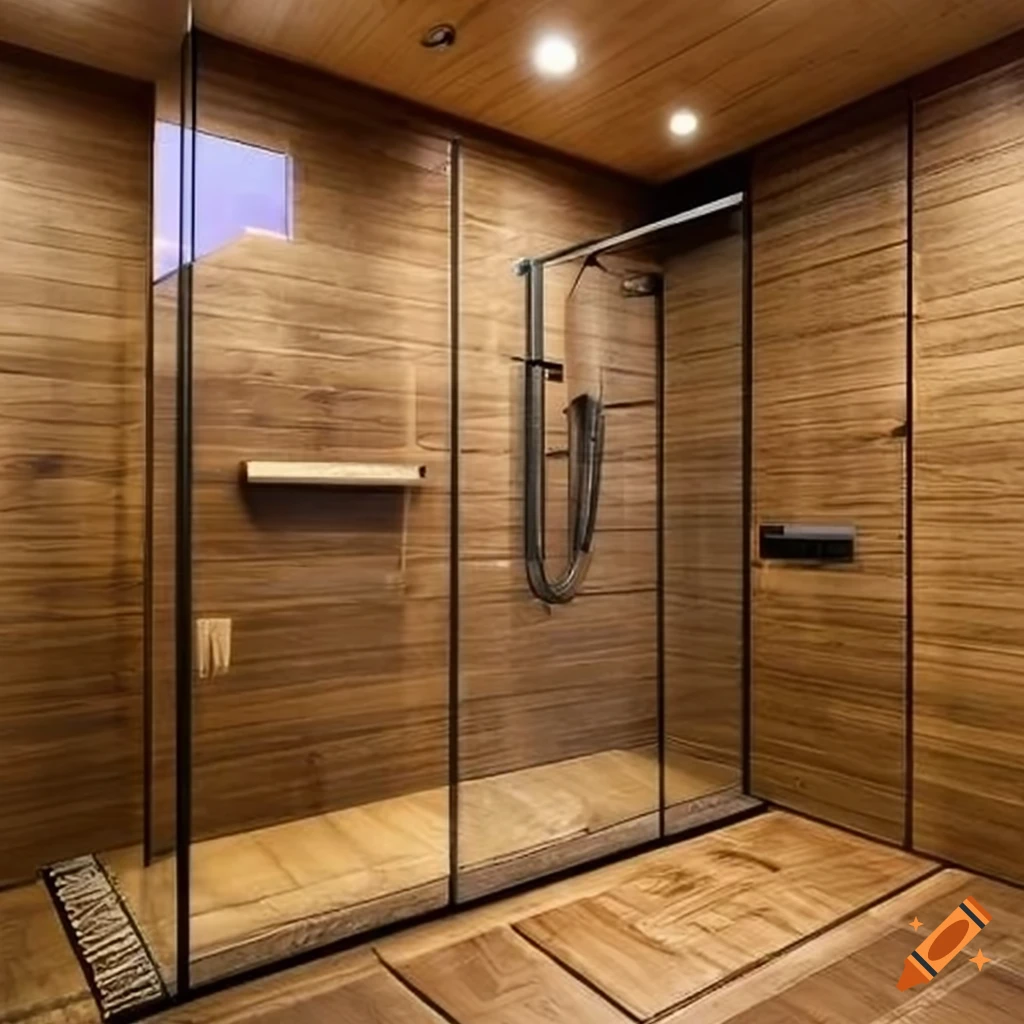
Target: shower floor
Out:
[265,894]
[40,979]
[776,918]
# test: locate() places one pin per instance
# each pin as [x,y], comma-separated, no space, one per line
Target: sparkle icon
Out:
[915,924]
[981,960]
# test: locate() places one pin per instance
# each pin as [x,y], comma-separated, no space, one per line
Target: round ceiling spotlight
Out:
[683,123]
[555,56]
[439,37]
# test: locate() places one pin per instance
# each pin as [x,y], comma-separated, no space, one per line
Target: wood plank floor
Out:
[679,928]
[848,975]
[779,919]
[791,882]
[262,895]
[40,980]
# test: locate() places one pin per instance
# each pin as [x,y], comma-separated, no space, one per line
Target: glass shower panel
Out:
[320,518]
[703,520]
[558,735]
[145,874]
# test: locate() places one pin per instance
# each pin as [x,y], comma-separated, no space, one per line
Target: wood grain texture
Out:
[669,933]
[849,975]
[830,226]
[969,425]
[162,723]
[260,895]
[270,893]
[376,998]
[280,992]
[527,668]
[476,970]
[703,495]
[758,987]
[74,171]
[138,38]
[499,978]
[750,68]
[40,980]
[330,347]
[334,474]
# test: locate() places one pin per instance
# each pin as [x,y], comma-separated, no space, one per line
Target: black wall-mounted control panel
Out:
[793,543]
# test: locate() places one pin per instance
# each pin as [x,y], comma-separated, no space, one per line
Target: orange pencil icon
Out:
[943,944]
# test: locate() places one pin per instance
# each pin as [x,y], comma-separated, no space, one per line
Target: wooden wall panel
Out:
[968,483]
[541,683]
[162,724]
[830,226]
[332,346]
[130,37]
[703,545]
[74,182]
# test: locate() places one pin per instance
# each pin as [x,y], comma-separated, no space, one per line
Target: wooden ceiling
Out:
[750,68]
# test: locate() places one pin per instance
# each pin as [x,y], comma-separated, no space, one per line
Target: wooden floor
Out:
[776,920]
[263,895]
[40,980]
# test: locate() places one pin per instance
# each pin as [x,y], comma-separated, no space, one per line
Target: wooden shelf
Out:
[335,474]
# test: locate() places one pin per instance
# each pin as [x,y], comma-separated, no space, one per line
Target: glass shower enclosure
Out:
[446,540]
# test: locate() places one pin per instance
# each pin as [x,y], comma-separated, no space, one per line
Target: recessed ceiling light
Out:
[438,37]
[555,56]
[683,123]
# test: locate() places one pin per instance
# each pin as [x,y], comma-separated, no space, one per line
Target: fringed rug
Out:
[120,970]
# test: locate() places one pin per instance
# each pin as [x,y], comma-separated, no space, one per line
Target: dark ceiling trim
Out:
[959,70]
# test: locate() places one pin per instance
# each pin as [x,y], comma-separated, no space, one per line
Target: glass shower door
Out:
[557,714]
[320,516]
[704,499]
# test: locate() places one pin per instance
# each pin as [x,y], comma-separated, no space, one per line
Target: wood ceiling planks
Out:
[138,38]
[750,68]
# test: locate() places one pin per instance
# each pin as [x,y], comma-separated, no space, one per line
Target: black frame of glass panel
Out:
[661,335]
[454,639]
[183,520]
[746,618]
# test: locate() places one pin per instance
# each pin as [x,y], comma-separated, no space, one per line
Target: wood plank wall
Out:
[968,476]
[703,544]
[335,346]
[330,347]
[829,309]
[74,184]
[541,683]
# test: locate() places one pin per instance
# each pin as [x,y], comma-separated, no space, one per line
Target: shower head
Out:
[641,285]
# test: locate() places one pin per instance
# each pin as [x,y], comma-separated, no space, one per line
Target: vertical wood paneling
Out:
[968,483]
[74,171]
[703,542]
[830,225]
